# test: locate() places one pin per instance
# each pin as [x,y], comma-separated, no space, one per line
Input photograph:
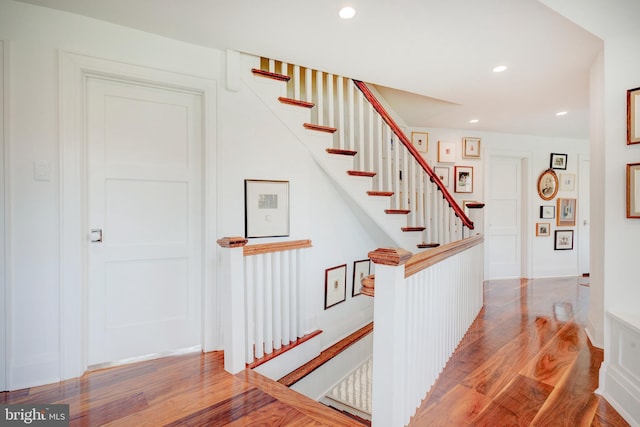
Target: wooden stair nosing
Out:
[341,152]
[362,173]
[397,211]
[319,128]
[270,75]
[326,355]
[413,228]
[427,245]
[296,102]
[381,193]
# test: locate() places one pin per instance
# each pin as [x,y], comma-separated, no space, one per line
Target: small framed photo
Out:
[335,289]
[463,179]
[633,116]
[558,161]
[470,148]
[446,152]
[420,140]
[361,269]
[566,212]
[266,208]
[543,229]
[563,240]
[443,174]
[547,212]
[633,190]
[567,182]
[547,185]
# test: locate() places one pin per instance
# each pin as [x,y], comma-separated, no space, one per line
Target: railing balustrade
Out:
[423,306]
[262,298]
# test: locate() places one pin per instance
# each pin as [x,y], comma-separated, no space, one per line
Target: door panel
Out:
[503,237]
[145,196]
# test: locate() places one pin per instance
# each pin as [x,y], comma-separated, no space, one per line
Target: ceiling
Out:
[432,60]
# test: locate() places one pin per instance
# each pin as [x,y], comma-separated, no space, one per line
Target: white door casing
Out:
[584,218]
[4,204]
[75,71]
[504,217]
[145,215]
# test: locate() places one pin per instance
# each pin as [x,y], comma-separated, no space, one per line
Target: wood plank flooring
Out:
[525,361]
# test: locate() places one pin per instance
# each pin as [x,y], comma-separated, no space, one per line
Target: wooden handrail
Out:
[264,248]
[422,260]
[414,152]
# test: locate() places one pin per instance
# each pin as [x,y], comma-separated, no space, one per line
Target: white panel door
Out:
[145,219]
[503,237]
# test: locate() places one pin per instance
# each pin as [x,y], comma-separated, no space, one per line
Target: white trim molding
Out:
[5,291]
[74,69]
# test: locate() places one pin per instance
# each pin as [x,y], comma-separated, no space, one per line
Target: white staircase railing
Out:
[262,299]
[362,128]
[423,306]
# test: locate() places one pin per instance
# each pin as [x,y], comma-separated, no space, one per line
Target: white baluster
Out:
[250,285]
[350,109]
[319,98]
[341,102]
[259,319]
[296,82]
[277,300]
[268,305]
[330,100]
[286,297]
[308,84]
[360,149]
[272,66]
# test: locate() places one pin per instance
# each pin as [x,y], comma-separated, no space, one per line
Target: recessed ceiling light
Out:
[561,113]
[347,12]
[474,121]
[499,68]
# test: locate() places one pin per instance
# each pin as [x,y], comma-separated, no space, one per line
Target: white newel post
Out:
[232,264]
[389,337]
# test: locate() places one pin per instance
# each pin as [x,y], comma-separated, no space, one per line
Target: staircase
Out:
[361,148]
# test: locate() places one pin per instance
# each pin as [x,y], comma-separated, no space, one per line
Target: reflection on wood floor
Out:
[525,361]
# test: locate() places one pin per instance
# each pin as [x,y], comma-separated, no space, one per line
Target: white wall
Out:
[251,144]
[544,260]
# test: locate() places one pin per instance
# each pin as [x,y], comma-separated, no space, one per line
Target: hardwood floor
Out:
[525,361]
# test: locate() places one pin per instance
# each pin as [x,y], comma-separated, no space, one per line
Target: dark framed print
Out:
[563,240]
[558,161]
[566,212]
[361,269]
[335,289]
[543,229]
[266,208]
[633,116]
[633,190]
[547,212]
[463,179]
[547,185]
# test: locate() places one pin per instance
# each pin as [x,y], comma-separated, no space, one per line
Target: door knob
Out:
[96,235]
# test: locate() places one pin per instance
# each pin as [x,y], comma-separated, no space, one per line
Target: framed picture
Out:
[547,185]
[633,190]
[633,116]
[446,152]
[558,161]
[567,182]
[464,179]
[420,140]
[470,148]
[563,240]
[335,290]
[266,208]
[361,269]
[566,212]
[547,212]
[543,229]
[443,173]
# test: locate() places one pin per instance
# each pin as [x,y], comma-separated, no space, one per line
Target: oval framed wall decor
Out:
[548,185]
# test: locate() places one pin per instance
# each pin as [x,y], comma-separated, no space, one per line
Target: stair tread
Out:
[270,75]
[320,128]
[397,211]
[428,245]
[381,193]
[413,228]
[341,151]
[361,173]
[296,102]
